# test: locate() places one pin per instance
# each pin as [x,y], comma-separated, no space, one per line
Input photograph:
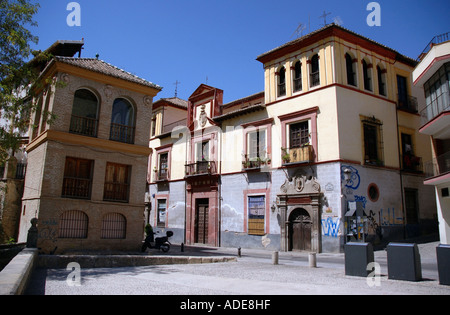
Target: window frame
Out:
[314,76]
[77,179]
[84,125]
[124,186]
[257,193]
[73,224]
[281,86]
[125,130]
[297,77]
[376,127]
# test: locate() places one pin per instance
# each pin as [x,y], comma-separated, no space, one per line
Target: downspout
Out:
[401,177]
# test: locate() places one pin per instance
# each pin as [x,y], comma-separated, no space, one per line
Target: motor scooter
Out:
[161,243]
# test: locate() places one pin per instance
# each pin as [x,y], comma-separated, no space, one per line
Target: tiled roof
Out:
[103,67]
[175,101]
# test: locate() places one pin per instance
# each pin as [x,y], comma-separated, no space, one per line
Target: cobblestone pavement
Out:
[252,274]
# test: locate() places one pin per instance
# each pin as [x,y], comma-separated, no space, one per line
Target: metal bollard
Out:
[182,247]
[239,252]
[312,260]
[275,258]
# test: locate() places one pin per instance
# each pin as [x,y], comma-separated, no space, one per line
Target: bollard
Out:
[239,252]
[312,260]
[275,258]
[182,247]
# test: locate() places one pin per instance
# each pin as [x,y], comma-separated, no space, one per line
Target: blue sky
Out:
[192,41]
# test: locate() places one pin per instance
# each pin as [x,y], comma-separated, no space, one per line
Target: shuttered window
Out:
[117,182]
[256,211]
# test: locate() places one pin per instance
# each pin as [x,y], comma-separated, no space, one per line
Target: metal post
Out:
[239,252]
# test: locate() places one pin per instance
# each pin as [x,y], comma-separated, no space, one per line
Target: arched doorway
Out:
[300,226]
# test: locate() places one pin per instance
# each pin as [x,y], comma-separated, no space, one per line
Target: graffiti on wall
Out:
[354,181]
[330,226]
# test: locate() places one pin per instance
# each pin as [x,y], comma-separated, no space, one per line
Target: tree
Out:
[17,74]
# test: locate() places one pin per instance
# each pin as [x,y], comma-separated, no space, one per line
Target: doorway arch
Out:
[300,228]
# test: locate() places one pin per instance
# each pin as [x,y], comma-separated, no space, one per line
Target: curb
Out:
[115,261]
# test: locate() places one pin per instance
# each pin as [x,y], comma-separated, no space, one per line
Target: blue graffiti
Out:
[354,181]
[330,227]
[361,199]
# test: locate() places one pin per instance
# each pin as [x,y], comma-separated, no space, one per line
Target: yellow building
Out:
[328,152]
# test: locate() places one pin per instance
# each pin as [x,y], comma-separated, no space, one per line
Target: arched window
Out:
[84,119]
[282,82]
[367,76]
[297,76]
[381,81]
[114,226]
[122,121]
[351,71]
[73,224]
[314,71]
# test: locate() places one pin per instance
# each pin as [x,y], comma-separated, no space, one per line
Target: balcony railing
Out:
[76,188]
[412,163]
[436,40]
[436,107]
[83,126]
[407,103]
[297,155]
[122,133]
[161,175]
[116,192]
[315,79]
[254,163]
[201,168]
[438,166]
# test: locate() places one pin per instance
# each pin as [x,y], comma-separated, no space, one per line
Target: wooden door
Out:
[201,221]
[300,230]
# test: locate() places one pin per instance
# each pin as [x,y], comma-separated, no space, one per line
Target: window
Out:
[298,134]
[163,173]
[73,224]
[298,76]
[257,144]
[77,180]
[437,92]
[161,216]
[381,81]
[114,226]
[367,75]
[402,92]
[122,121]
[351,71]
[256,211]
[314,71]
[84,118]
[373,144]
[282,82]
[117,182]
[153,132]
[37,117]
[202,157]
[373,192]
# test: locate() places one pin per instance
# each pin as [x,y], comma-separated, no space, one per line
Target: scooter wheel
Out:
[165,247]
[144,247]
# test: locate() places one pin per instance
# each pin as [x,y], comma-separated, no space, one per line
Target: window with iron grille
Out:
[117,182]
[114,226]
[282,82]
[298,76]
[256,211]
[77,180]
[73,224]
[298,134]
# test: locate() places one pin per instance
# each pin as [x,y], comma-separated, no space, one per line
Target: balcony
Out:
[297,155]
[74,187]
[122,133]
[161,175]
[407,103]
[435,117]
[437,167]
[411,163]
[254,164]
[201,168]
[83,126]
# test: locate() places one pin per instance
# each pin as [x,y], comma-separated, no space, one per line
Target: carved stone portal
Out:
[300,195]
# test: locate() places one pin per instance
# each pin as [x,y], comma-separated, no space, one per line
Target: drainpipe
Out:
[401,177]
